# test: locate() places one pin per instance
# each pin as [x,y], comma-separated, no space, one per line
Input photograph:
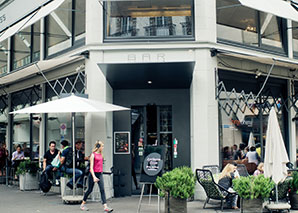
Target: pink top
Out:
[98,162]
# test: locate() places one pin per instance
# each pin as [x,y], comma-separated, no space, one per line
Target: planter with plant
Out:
[176,186]
[294,190]
[27,172]
[253,190]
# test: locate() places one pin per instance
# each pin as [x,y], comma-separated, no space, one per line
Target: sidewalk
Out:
[14,200]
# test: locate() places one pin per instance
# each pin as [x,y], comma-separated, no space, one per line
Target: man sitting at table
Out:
[48,158]
[17,156]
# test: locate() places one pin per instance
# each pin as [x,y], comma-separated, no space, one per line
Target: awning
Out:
[43,66]
[31,19]
[279,8]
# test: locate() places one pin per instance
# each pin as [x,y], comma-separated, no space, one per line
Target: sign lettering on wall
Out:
[146,57]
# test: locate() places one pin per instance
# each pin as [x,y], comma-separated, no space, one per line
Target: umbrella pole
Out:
[73,153]
[276,194]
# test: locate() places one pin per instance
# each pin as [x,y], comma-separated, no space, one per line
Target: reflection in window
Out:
[59,28]
[236,23]
[241,24]
[61,34]
[3,56]
[295,36]
[80,17]
[149,18]
[24,51]
[21,122]
[269,30]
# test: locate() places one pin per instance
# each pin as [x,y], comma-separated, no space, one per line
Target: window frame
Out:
[108,39]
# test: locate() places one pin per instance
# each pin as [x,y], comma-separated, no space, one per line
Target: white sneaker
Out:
[83,207]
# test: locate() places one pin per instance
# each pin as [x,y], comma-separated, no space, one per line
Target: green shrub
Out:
[253,187]
[294,182]
[180,183]
[27,166]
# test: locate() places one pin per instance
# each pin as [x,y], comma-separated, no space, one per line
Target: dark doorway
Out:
[150,125]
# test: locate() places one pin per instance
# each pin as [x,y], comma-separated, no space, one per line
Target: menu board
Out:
[121,142]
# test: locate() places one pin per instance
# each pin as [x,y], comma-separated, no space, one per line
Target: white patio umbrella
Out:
[276,155]
[71,104]
[251,140]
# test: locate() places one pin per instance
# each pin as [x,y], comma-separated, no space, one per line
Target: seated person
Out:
[17,156]
[253,156]
[225,180]
[260,169]
[48,158]
[67,165]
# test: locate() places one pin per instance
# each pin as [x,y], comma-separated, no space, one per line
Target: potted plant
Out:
[27,172]
[252,191]
[176,185]
[294,190]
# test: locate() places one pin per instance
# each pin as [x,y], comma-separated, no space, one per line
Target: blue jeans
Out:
[51,174]
[78,175]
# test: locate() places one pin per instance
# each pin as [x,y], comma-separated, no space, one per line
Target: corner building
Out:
[205,72]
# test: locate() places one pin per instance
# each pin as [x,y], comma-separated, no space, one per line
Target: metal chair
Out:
[213,168]
[212,190]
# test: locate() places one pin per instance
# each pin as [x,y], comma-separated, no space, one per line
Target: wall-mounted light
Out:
[149,82]
[258,74]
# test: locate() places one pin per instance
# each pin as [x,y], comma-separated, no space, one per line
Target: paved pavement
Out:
[14,200]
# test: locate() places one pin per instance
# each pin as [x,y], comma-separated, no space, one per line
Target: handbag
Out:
[56,162]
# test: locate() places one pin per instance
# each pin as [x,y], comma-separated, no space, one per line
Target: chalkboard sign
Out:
[153,163]
[121,143]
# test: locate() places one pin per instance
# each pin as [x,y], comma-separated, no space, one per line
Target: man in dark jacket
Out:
[67,165]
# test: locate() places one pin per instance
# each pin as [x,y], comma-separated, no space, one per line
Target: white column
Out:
[205,20]
[204,115]
[292,128]
[99,126]
[290,39]
[94,22]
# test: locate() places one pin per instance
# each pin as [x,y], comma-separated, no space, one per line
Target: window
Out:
[295,38]
[26,127]
[65,26]
[239,24]
[26,46]
[3,57]
[167,18]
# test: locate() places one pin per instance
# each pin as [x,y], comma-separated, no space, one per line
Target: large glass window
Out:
[244,117]
[26,46]
[136,19]
[80,18]
[3,56]
[239,24]
[65,25]
[26,127]
[295,37]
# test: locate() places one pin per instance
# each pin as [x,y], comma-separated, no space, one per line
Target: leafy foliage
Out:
[253,187]
[180,183]
[27,166]
[294,182]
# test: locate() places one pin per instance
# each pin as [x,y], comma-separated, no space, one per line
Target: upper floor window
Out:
[26,46]
[65,26]
[241,24]
[3,56]
[154,19]
[295,38]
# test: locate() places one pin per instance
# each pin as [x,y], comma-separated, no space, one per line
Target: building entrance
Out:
[151,125]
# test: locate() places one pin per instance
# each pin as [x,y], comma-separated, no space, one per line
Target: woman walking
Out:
[95,175]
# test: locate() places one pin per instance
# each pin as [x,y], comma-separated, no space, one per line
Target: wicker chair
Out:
[212,190]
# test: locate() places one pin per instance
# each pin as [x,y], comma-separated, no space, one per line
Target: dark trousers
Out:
[100,184]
